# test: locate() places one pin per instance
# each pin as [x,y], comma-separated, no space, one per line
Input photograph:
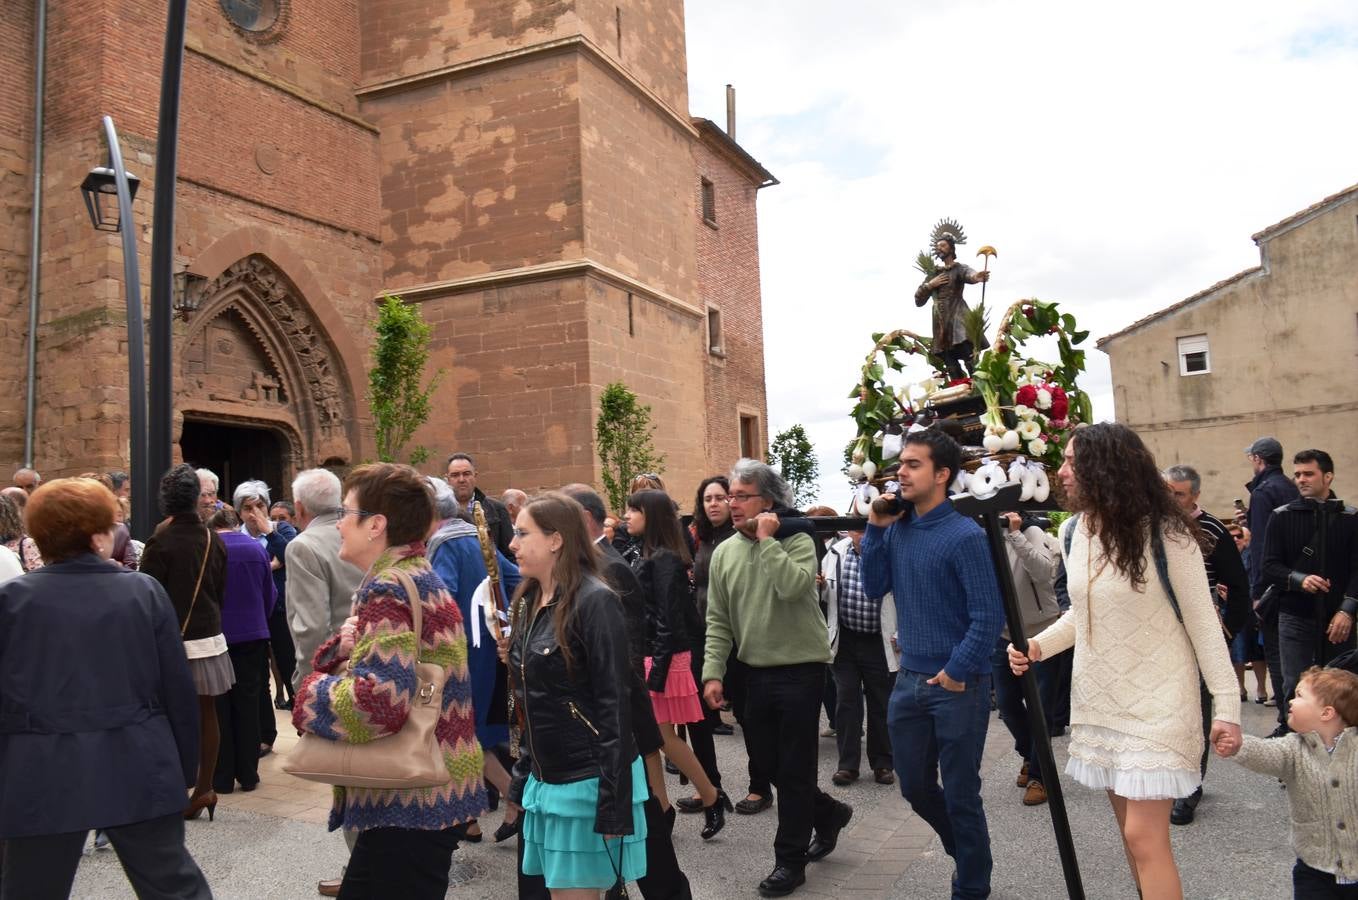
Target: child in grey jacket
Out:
[1318,764]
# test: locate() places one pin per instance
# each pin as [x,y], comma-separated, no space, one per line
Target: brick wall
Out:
[638,177]
[481,173]
[728,281]
[16,202]
[515,392]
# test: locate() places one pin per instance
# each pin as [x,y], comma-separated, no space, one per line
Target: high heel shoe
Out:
[714,816]
[507,830]
[207,801]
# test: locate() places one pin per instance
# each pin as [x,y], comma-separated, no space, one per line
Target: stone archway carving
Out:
[286,370]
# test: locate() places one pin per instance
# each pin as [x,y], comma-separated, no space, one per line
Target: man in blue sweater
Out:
[949,615]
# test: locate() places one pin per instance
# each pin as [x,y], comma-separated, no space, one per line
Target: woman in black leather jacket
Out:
[579,778]
[673,631]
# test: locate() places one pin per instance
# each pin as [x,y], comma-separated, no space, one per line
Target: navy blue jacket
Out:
[98,711]
[1269,490]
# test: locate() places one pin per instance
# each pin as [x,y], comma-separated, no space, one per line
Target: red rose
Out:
[1026,396]
[1060,403]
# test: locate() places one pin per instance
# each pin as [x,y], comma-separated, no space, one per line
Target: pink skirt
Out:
[680,703]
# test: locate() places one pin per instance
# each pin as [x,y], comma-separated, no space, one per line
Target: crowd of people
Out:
[548,655]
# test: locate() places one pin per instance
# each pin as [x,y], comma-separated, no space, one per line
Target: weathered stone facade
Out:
[528,173]
[1279,344]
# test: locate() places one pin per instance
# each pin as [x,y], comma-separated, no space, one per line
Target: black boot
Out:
[1185,808]
[782,881]
[715,815]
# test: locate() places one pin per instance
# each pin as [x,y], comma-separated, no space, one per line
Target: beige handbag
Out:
[411,758]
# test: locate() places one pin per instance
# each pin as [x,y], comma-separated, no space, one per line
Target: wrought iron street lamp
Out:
[107,188]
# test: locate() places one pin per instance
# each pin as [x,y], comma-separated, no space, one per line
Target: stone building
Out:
[1272,350]
[528,173]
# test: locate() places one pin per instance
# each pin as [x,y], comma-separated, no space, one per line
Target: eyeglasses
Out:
[522,533]
[354,511]
[741,498]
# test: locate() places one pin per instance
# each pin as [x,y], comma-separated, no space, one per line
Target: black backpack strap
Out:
[1070,530]
[1162,569]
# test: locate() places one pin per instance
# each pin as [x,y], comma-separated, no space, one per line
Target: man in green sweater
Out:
[761,596]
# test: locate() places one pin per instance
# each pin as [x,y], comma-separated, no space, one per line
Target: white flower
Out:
[1037,447]
[1044,398]
[1029,430]
[1024,412]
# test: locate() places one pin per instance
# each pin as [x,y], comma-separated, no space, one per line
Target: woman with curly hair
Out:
[190,562]
[1143,625]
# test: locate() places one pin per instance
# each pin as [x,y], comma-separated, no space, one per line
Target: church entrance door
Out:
[236,453]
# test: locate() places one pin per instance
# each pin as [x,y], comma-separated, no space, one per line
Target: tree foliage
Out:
[623,434]
[399,402]
[792,455]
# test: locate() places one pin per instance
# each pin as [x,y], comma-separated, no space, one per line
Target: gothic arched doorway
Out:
[260,384]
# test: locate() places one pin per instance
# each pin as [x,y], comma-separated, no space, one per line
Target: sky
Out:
[1118,158]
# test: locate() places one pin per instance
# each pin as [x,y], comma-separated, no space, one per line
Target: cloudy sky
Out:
[1117,159]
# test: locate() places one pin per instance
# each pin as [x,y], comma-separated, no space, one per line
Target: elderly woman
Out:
[364,684]
[252,503]
[247,600]
[458,556]
[190,562]
[11,533]
[99,712]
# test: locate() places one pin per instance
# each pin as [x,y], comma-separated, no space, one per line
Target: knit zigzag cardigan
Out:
[372,699]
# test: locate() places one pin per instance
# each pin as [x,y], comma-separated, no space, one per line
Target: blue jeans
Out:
[933,728]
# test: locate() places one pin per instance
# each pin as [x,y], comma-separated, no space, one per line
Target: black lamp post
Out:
[106,189]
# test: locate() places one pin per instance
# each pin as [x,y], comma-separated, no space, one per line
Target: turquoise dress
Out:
[559,840]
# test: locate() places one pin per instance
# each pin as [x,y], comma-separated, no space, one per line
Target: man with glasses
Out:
[762,596]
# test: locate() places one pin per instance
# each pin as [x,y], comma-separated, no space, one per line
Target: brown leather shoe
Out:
[844,776]
[884,776]
[330,887]
[1036,794]
[1022,779]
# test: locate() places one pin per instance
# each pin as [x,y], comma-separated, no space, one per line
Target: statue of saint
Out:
[950,342]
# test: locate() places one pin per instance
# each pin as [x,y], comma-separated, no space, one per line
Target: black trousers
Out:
[238,717]
[285,655]
[400,862]
[1274,658]
[783,724]
[1313,884]
[700,733]
[861,673]
[736,687]
[152,854]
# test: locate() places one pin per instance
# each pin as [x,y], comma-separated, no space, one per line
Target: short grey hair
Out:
[1185,473]
[445,501]
[208,475]
[318,490]
[769,483]
[250,490]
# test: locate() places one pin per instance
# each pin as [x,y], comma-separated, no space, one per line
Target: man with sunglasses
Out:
[762,595]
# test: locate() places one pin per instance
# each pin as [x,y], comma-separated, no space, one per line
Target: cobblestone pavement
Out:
[272,843]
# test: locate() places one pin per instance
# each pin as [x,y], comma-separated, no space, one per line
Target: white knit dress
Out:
[1135,713]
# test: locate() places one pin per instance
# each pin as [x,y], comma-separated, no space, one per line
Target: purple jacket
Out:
[249,596]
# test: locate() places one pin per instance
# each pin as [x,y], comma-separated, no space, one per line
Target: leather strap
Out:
[201,569]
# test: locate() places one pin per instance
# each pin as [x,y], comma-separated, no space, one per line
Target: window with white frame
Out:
[1194,358]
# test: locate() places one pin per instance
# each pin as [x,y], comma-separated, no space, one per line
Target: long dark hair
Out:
[663,530]
[1120,491]
[702,525]
[556,513]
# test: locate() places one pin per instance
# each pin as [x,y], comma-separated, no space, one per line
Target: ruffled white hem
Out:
[1135,784]
[1131,767]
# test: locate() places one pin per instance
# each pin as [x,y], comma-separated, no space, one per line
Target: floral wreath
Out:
[1030,406]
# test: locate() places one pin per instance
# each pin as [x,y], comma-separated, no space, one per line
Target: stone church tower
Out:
[528,173]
